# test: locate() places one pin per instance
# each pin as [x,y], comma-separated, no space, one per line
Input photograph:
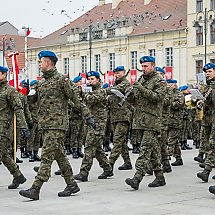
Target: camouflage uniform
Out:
[97,104]
[120,119]
[147,98]
[9,104]
[53,94]
[175,123]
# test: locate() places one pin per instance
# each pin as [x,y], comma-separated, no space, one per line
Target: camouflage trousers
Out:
[120,131]
[186,130]
[53,149]
[205,136]
[150,152]
[196,131]
[93,149]
[136,136]
[34,140]
[6,159]
[173,142]
[163,140]
[210,159]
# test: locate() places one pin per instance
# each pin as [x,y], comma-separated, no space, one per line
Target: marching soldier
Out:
[208,122]
[149,93]
[120,120]
[97,103]
[9,104]
[53,94]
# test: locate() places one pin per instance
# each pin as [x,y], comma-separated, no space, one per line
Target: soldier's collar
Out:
[49,74]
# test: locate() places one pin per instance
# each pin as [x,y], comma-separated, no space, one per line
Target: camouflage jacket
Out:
[148,102]
[33,107]
[176,109]
[208,108]
[53,94]
[117,113]
[10,103]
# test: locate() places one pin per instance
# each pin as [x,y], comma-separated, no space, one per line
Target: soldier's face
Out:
[3,76]
[119,74]
[44,64]
[210,74]
[78,84]
[92,80]
[148,67]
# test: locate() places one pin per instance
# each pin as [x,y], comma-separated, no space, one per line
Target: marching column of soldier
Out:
[60,117]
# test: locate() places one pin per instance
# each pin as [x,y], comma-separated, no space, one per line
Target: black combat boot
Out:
[36,156]
[105,174]
[80,154]
[204,175]
[178,162]
[18,160]
[36,168]
[70,189]
[17,181]
[75,153]
[31,193]
[182,145]
[31,156]
[149,171]
[159,181]
[213,177]
[212,189]
[202,165]
[125,166]
[186,145]
[197,144]
[80,177]
[167,168]
[58,172]
[133,182]
[199,158]
[135,149]
[24,154]
[68,151]
[106,146]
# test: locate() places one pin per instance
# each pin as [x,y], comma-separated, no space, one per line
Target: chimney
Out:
[147,2]
[101,2]
[115,3]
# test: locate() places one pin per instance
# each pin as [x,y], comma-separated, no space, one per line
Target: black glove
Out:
[91,123]
[25,133]
[30,125]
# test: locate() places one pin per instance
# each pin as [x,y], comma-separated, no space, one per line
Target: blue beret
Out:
[3,69]
[182,88]
[93,73]
[77,79]
[159,69]
[46,53]
[33,82]
[147,59]
[209,66]
[106,85]
[171,81]
[119,68]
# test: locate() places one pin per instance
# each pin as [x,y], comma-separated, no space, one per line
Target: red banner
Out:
[111,78]
[83,75]
[169,72]
[133,76]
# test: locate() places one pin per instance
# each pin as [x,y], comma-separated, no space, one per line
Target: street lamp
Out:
[207,17]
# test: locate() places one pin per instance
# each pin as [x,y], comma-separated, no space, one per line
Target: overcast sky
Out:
[43,16]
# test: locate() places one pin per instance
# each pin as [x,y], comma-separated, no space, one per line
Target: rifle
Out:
[200,105]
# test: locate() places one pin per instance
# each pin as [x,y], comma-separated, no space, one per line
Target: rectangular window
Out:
[98,62]
[199,36]
[152,52]
[199,65]
[199,5]
[212,4]
[83,63]
[169,57]
[212,60]
[134,60]
[66,65]
[112,61]
[83,36]
[212,34]
[97,34]
[111,32]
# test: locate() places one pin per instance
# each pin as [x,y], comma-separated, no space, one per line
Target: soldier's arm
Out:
[16,104]
[178,101]
[27,111]
[70,94]
[95,97]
